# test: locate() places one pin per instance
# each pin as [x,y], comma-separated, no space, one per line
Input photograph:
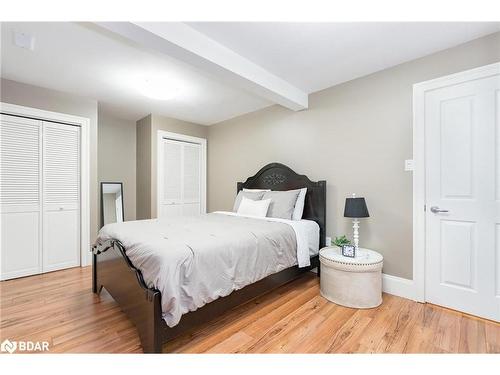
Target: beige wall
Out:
[117,157]
[147,133]
[57,101]
[143,193]
[356,136]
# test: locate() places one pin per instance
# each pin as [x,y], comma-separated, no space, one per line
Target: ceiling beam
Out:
[182,42]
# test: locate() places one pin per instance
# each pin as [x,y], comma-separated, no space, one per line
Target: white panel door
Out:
[180,189]
[462,130]
[20,196]
[61,196]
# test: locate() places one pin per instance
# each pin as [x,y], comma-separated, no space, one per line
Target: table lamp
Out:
[355,208]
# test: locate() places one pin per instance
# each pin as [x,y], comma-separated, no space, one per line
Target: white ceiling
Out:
[84,60]
[314,56]
[87,60]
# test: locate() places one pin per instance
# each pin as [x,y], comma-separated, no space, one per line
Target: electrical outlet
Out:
[328,241]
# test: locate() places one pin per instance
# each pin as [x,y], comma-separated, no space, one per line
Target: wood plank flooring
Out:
[59,307]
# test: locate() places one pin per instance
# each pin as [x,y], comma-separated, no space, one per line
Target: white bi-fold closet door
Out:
[180,179]
[39,196]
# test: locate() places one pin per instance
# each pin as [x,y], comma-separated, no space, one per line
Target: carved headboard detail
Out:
[276,176]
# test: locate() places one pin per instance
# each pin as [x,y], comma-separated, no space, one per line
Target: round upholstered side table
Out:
[352,282]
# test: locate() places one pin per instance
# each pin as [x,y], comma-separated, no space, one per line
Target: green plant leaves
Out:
[342,240]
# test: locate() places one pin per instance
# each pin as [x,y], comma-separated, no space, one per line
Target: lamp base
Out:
[355,229]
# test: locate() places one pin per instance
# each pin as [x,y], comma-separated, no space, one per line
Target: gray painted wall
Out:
[143,185]
[57,101]
[356,136]
[117,157]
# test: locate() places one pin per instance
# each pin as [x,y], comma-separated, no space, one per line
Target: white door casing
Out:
[83,226]
[456,253]
[181,175]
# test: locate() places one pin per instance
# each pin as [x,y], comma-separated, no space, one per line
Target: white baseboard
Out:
[398,286]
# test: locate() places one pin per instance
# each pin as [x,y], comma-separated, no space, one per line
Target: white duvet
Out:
[195,260]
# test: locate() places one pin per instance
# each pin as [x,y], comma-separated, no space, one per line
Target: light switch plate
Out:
[24,40]
[409,165]
[328,241]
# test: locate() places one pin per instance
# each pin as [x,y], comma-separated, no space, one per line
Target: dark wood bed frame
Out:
[113,270]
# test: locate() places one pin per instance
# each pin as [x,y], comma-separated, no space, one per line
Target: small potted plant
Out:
[345,246]
[340,241]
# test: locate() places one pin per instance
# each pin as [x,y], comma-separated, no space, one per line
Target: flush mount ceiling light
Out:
[158,89]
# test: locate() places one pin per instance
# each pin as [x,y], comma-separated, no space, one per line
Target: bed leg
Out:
[96,288]
[150,331]
[152,346]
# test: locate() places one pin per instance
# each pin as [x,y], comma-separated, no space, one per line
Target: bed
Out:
[214,262]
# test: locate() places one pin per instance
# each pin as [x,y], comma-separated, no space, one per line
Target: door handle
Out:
[437,210]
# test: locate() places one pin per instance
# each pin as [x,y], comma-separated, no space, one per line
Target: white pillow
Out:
[299,205]
[253,208]
[254,195]
[256,190]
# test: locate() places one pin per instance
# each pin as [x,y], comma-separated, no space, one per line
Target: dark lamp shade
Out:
[356,208]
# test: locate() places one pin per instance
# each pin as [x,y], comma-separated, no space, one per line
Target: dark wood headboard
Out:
[276,176]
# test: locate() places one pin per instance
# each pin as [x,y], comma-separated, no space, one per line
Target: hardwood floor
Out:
[59,307]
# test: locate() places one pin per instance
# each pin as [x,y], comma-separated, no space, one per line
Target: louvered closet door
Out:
[191,187]
[180,191]
[171,195]
[20,196]
[61,196]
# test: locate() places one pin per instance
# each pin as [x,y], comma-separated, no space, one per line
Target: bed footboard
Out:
[113,271]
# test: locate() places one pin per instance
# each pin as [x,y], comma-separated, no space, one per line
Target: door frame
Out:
[162,134]
[84,124]
[419,196]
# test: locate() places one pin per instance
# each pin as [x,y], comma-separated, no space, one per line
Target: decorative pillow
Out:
[282,203]
[253,195]
[258,190]
[299,205]
[253,208]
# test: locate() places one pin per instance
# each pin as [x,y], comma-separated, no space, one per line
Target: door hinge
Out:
[425,207]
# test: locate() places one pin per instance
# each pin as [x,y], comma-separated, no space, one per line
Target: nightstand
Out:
[352,282]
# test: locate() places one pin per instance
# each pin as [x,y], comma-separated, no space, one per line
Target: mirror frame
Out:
[102,203]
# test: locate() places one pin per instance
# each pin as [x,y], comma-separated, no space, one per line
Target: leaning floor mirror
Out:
[111,202]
